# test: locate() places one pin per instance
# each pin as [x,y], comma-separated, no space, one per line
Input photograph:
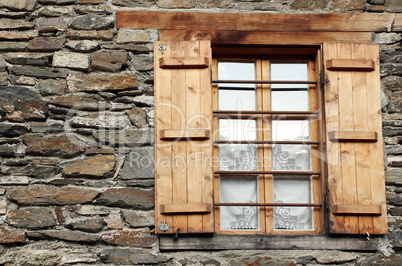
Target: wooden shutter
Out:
[354,143]
[183,143]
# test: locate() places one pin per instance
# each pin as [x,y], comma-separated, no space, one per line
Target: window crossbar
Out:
[300,173]
[266,142]
[220,204]
[297,82]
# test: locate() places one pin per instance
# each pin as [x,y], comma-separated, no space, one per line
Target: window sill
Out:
[261,242]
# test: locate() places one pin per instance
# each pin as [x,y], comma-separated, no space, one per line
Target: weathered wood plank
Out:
[183,62]
[185,134]
[351,64]
[265,242]
[353,136]
[357,210]
[141,19]
[186,208]
[265,37]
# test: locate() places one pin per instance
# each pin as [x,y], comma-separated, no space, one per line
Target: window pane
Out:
[290,130]
[239,190]
[292,191]
[236,96]
[290,101]
[289,72]
[291,157]
[237,129]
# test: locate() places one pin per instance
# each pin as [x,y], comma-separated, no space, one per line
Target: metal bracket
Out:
[162,47]
[164,226]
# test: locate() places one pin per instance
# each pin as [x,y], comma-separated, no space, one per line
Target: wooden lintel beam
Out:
[264,37]
[184,134]
[162,20]
[353,136]
[351,65]
[356,209]
[186,208]
[183,62]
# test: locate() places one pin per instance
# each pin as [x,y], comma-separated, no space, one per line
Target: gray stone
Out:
[131,256]
[216,3]
[265,6]
[391,69]
[111,61]
[144,101]
[395,102]
[38,59]
[132,137]
[77,102]
[387,38]
[393,177]
[101,120]
[8,235]
[136,48]
[348,6]
[82,46]
[50,195]
[18,35]
[377,2]
[134,3]
[104,35]
[10,14]
[91,210]
[68,235]
[394,149]
[87,225]
[396,240]
[35,171]
[338,257]
[99,166]
[3,205]
[26,5]
[54,11]
[139,219]
[52,86]
[32,218]
[46,127]
[95,9]
[136,36]
[13,46]
[137,117]
[3,78]
[9,150]
[12,130]
[51,24]
[71,60]
[394,200]
[96,82]
[139,164]
[309,4]
[91,22]
[373,8]
[142,62]
[393,6]
[19,104]
[120,106]
[113,221]
[175,3]
[127,198]
[57,2]
[39,72]
[14,180]
[392,83]
[46,44]
[138,238]
[13,24]
[28,81]
[391,57]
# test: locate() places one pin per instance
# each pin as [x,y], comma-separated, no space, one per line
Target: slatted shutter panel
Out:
[183,142]
[354,143]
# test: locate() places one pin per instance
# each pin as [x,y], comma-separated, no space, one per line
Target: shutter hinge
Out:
[322,76]
[162,47]
[164,227]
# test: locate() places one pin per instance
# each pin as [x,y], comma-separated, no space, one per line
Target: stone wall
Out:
[76,134]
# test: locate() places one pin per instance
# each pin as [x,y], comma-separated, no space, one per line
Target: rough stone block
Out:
[144,101]
[113,221]
[57,2]
[88,225]
[93,167]
[104,35]
[131,256]
[13,46]
[373,8]
[38,72]
[26,5]
[12,129]
[96,82]
[387,38]
[64,146]
[19,104]
[3,205]
[100,121]
[136,36]
[80,102]
[139,219]
[139,164]
[67,235]
[309,4]
[139,238]
[46,44]
[175,3]
[393,6]
[14,180]
[54,11]
[18,35]
[127,198]
[82,46]
[92,22]
[143,62]
[38,59]
[3,78]
[71,60]
[27,81]
[32,218]
[91,210]
[336,258]
[111,61]
[51,24]
[52,86]
[134,3]
[13,24]
[348,6]
[395,102]
[137,116]
[94,9]
[8,235]
[48,195]
[131,137]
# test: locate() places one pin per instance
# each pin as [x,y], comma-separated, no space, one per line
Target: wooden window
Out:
[347,162]
[268,179]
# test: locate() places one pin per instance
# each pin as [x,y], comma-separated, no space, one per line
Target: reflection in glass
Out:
[239,190]
[289,72]
[290,130]
[237,129]
[287,190]
[290,101]
[233,96]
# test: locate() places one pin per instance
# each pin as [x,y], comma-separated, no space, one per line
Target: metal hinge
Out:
[162,47]
[164,227]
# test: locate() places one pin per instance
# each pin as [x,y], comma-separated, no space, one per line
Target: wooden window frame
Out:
[264,122]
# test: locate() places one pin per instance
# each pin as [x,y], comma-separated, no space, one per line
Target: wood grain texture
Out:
[351,64]
[353,136]
[186,208]
[185,134]
[261,242]
[265,37]
[357,210]
[183,62]
[141,19]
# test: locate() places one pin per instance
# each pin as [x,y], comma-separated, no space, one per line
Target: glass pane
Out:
[239,190]
[291,157]
[293,191]
[290,130]
[237,129]
[289,72]
[290,101]
[236,96]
